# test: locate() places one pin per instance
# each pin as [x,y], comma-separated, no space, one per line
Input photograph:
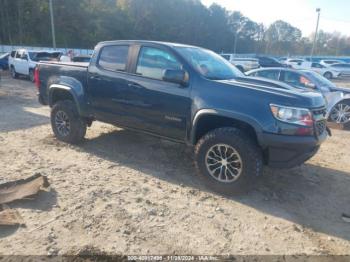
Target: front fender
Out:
[234,115]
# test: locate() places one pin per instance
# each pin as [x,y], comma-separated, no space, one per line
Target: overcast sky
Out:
[335,14]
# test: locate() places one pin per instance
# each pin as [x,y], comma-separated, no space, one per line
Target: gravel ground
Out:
[123,192]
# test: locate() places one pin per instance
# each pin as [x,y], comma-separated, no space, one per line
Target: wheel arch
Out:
[206,120]
[58,92]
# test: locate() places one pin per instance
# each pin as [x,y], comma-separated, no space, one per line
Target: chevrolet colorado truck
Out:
[189,95]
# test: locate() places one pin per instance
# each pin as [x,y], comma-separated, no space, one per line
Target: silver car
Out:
[338,99]
[343,68]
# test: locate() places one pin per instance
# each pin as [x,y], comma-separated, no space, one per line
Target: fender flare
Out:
[54,87]
[234,115]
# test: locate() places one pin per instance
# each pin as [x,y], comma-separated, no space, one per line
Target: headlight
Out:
[292,115]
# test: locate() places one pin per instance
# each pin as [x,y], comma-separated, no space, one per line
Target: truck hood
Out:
[290,95]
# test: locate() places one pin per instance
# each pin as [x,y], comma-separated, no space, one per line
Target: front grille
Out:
[320,120]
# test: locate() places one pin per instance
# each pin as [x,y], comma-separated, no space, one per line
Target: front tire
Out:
[66,123]
[328,75]
[14,75]
[31,75]
[227,160]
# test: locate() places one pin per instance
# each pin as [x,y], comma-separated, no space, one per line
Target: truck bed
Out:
[60,72]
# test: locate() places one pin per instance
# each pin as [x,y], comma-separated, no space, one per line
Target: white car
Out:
[24,61]
[294,62]
[343,68]
[327,72]
[330,62]
[243,64]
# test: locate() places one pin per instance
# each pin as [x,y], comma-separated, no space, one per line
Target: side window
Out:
[271,74]
[24,56]
[296,79]
[152,62]
[13,53]
[114,58]
[317,65]
[19,54]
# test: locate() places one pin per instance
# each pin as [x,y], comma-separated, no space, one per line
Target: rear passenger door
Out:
[108,84]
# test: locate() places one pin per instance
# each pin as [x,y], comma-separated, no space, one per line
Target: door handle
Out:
[96,77]
[134,85]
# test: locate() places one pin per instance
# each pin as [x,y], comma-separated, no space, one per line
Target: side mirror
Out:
[25,57]
[175,76]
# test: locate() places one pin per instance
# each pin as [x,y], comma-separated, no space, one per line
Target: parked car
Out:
[265,61]
[292,62]
[23,61]
[243,64]
[4,61]
[327,72]
[338,99]
[329,62]
[81,58]
[189,95]
[344,68]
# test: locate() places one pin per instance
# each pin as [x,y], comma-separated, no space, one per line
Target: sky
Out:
[335,14]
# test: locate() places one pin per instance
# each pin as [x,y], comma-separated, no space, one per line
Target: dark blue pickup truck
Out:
[189,95]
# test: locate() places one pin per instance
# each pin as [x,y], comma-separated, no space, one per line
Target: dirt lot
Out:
[123,192]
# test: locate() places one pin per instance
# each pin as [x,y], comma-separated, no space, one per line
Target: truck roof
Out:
[145,42]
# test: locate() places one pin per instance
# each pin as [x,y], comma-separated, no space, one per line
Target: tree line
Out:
[83,23]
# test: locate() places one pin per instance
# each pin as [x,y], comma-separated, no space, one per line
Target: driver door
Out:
[157,106]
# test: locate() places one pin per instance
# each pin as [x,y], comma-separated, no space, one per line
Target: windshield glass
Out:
[320,81]
[209,64]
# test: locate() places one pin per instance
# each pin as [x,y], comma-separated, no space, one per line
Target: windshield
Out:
[320,81]
[209,64]
[44,56]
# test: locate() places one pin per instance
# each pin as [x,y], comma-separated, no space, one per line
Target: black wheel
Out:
[328,75]
[14,75]
[240,68]
[66,123]
[228,160]
[31,75]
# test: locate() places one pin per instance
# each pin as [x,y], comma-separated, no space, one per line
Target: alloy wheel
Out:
[224,163]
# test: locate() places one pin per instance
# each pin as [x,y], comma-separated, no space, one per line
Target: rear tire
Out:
[241,161]
[31,75]
[328,75]
[66,123]
[14,75]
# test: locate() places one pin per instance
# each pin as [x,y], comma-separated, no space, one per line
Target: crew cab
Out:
[189,95]
[24,61]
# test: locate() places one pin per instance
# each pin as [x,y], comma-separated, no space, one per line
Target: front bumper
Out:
[283,151]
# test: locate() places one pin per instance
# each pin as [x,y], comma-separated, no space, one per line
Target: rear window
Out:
[114,58]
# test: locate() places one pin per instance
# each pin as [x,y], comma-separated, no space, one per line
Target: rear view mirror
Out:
[175,76]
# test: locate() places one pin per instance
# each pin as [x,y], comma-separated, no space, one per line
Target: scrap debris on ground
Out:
[16,190]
